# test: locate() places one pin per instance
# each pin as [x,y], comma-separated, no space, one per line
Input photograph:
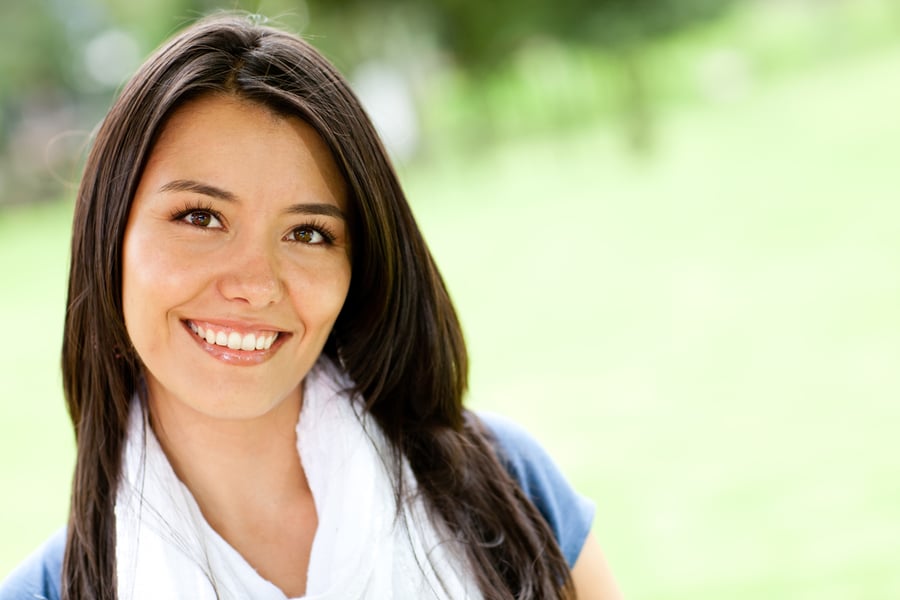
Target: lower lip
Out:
[240,358]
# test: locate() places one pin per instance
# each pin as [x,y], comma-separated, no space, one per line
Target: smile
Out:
[234,340]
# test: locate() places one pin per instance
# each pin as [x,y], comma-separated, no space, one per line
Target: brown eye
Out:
[306,235]
[201,218]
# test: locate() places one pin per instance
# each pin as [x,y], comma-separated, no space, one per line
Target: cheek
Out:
[151,283]
[319,295]
[153,265]
[137,296]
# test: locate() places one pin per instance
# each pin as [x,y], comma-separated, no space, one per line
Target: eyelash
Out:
[326,232]
[180,213]
[323,229]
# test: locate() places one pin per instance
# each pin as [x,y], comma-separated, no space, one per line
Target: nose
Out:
[251,275]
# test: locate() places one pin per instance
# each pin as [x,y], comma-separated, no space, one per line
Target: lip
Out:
[237,357]
[241,327]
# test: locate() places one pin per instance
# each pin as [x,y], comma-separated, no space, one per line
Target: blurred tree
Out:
[60,62]
[482,36]
[32,56]
[484,33]
[35,79]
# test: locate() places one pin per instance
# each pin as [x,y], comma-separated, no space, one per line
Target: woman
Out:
[263,367]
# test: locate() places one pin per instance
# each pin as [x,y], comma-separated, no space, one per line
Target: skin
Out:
[237,226]
[591,574]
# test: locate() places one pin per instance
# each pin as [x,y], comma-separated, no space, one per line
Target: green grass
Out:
[36,444]
[706,340]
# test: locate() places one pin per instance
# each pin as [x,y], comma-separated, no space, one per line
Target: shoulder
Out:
[38,577]
[568,513]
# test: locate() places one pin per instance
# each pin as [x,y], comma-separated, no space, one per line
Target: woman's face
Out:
[236,258]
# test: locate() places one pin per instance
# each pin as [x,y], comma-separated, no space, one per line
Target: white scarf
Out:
[361,550]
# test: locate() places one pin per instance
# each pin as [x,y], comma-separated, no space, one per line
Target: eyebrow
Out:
[313,208]
[187,185]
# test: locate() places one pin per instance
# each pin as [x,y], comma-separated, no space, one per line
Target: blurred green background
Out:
[671,230]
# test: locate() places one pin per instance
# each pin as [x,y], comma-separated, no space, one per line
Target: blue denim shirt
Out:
[568,513]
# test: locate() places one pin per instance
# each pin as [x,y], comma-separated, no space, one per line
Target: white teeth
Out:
[234,340]
[249,342]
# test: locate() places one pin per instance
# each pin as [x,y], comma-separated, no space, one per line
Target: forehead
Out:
[245,144]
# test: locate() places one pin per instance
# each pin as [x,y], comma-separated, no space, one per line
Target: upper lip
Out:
[236,325]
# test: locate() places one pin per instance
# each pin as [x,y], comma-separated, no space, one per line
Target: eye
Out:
[312,233]
[307,235]
[202,218]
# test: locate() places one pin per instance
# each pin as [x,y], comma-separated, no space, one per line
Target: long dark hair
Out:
[397,336]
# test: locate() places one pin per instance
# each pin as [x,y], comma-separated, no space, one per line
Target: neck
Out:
[234,468]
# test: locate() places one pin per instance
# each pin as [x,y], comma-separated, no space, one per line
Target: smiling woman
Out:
[264,369]
[237,230]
